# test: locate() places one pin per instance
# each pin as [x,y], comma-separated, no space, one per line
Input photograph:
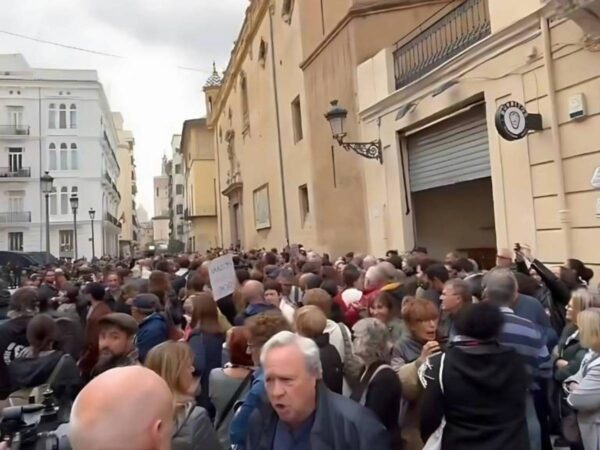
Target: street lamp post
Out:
[46,184]
[74,205]
[92,213]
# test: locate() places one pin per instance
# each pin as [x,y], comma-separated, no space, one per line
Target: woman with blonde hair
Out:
[569,352]
[583,388]
[174,362]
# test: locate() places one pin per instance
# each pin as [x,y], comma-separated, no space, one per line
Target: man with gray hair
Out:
[302,413]
[500,288]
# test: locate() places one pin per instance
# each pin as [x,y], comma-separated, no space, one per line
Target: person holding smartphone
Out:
[421,318]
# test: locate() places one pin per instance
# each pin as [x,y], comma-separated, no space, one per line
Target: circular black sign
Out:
[511,121]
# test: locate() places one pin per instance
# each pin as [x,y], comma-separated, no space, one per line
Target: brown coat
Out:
[92,332]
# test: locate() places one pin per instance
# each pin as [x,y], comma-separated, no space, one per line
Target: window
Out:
[179,209]
[15,116]
[66,242]
[62,116]
[73,116]
[245,112]
[287,9]
[52,116]
[179,230]
[15,159]
[64,200]
[297,120]
[304,203]
[177,168]
[179,189]
[52,157]
[16,201]
[53,202]
[15,241]
[157,192]
[64,157]
[262,52]
[74,157]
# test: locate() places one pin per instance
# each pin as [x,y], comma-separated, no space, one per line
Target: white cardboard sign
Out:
[596,178]
[221,272]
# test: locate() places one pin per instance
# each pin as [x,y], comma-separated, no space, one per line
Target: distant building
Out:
[160,221]
[57,121]
[200,186]
[177,173]
[127,185]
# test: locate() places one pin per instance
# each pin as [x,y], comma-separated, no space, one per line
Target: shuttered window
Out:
[452,151]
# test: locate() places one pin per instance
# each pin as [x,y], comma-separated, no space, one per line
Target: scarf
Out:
[408,348]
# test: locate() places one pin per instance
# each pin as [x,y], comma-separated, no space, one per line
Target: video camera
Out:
[31,427]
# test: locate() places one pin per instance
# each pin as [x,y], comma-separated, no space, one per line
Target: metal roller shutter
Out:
[452,151]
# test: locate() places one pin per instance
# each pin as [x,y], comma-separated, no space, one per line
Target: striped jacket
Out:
[526,338]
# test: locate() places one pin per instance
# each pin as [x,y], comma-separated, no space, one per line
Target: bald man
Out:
[253,293]
[128,408]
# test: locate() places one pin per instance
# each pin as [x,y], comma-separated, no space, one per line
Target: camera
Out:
[31,427]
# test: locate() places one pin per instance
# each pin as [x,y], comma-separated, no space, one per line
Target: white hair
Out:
[307,347]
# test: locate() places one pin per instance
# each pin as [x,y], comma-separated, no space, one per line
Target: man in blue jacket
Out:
[302,413]
[153,328]
[254,295]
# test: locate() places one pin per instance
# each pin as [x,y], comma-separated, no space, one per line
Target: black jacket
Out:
[384,394]
[331,362]
[570,349]
[340,424]
[32,372]
[4,300]
[13,339]
[485,389]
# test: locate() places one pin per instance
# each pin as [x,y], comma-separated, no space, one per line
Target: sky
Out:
[156,39]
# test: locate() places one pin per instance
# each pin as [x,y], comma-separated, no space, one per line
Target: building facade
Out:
[56,121]
[200,213]
[161,218]
[127,185]
[281,178]
[179,230]
[449,179]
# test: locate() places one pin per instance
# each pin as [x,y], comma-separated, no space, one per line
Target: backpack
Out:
[35,394]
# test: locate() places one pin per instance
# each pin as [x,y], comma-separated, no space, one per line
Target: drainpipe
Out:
[563,210]
[40,164]
[280,146]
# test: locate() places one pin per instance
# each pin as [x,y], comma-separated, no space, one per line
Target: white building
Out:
[57,121]
[178,228]
[161,219]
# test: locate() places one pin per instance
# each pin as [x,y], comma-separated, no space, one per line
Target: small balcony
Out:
[458,30]
[11,172]
[112,219]
[14,130]
[14,217]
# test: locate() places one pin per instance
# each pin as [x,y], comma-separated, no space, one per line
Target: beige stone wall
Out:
[524,174]
[198,155]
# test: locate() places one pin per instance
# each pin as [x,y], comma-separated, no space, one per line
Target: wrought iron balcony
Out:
[14,130]
[462,27]
[112,219]
[15,217]
[9,172]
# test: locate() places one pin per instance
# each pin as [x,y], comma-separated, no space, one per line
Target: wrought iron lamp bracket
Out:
[369,150]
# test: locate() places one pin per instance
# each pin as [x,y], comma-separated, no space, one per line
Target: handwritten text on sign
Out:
[222,276]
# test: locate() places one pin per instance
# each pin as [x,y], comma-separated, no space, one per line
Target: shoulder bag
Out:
[233,399]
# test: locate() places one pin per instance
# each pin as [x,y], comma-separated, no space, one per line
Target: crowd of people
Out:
[402,352]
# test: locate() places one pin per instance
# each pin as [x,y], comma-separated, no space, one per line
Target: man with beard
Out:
[116,343]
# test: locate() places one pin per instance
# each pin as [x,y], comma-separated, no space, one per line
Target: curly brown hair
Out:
[264,326]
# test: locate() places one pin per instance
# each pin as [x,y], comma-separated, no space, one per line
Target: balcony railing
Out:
[10,172]
[14,130]
[456,31]
[15,217]
[112,219]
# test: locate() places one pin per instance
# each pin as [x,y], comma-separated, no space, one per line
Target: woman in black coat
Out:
[483,391]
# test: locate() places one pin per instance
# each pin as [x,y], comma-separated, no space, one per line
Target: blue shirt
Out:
[287,439]
[238,429]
